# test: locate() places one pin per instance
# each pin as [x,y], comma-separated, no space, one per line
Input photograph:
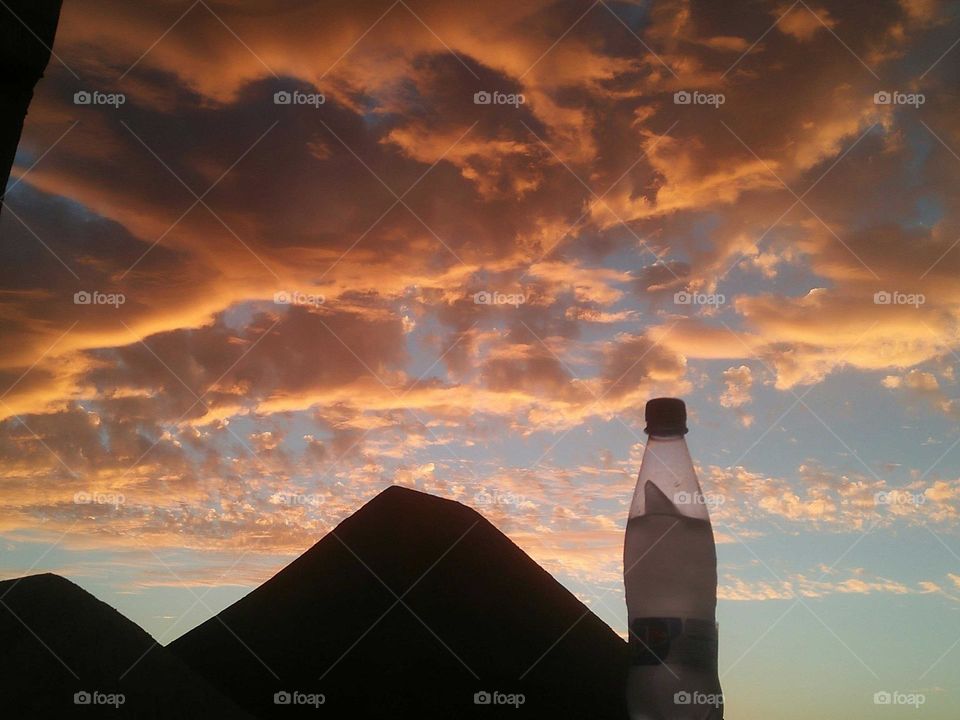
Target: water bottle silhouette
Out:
[670,577]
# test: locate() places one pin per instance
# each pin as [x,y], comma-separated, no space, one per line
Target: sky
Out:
[261,261]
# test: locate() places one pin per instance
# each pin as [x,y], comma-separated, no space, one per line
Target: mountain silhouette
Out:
[408,609]
[58,640]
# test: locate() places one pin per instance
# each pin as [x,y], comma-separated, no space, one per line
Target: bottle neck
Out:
[668,466]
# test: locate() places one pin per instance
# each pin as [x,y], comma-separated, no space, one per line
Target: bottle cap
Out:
[666,416]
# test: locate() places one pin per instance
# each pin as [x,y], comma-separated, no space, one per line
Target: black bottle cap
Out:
[666,416]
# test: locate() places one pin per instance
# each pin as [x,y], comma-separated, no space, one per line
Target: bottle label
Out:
[677,641]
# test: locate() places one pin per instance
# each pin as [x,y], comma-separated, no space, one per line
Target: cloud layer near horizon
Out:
[821,223]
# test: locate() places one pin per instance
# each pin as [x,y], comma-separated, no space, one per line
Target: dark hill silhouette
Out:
[46,617]
[487,618]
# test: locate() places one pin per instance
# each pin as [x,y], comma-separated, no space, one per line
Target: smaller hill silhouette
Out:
[475,615]
[58,640]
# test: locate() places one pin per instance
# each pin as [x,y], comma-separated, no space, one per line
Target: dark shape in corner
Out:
[58,640]
[27,30]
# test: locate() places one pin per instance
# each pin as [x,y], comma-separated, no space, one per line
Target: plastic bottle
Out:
[670,576]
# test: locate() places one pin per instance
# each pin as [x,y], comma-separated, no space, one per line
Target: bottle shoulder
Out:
[667,482]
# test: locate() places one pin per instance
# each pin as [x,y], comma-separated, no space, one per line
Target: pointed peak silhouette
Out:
[40,579]
[399,498]
[409,607]
[401,494]
[403,490]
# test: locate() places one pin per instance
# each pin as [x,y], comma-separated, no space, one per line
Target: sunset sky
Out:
[483,297]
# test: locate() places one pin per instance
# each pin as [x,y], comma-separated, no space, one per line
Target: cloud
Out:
[200,398]
[802,23]
[818,500]
[801,585]
[739,381]
[923,388]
